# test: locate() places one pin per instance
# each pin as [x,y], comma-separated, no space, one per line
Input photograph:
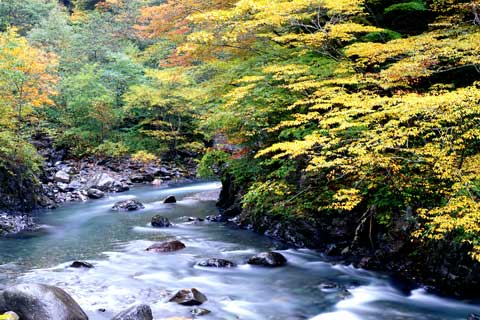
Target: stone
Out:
[61,176]
[128,205]
[189,297]
[195,219]
[119,187]
[93,193]
[160,222]
[198,312]
[268,259]
[216,263]
[136,312]
[103,182]
[40,302]
[328,286]
[168,246]
[81,264]
[170,199]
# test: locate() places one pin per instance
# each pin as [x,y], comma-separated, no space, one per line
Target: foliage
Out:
[144,157]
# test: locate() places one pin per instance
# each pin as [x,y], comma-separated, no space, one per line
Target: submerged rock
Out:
[81,264]
[268,259]
[216,263]
[40,302]
[198,312]
[93,193]
[136,312]
[168,246]
[170,199]
[189,297]
[128,205]
[159,221]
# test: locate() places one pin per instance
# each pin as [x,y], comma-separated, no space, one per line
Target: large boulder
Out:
[81,264]
[40,302]
[137,312]
[189,297]
[103,182]
[128,205]
[61,176]
[93,193]
[159,221]
[216,263]
[168,246]
[268,259]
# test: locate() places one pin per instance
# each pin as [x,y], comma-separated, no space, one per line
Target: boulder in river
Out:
[159,221]
[170,199]
[40,302]
[136,312]
[93,193]
[198,312]
[81,264]
[216,263]
[128,205]
[189,297]
[61,176]
[168,246]
[268,259]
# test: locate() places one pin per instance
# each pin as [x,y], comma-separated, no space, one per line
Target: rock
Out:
[119,187]
[168,246]
[128,205]
[198,312]
[40,302]
[216,263]
[474,316]
[93,193]
[344,294]
[160,222]
[157,182]
[328,286]
[63,187]
[75,185]
[268,259]
[10,315]
[14,223]
[170,199]
[81,264]
[137,312]
[61,176]
[189,297]
[195,219]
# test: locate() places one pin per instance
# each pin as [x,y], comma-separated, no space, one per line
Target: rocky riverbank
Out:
[362,242]
[65,179]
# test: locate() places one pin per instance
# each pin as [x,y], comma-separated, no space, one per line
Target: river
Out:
[125,273]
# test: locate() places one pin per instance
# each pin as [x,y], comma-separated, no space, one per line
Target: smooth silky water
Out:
[125,273]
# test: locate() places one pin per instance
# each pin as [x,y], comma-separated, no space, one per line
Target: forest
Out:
[348,126]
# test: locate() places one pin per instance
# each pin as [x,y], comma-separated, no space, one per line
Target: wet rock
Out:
[10,315]
[170,199]
[474,316]
[61,176]
[81,264]
[168,246]
[344,294]
[198,312]
[37,301]
[137,312]
[119,187]
[189,297]
[268,259]
[195,219]
[128,205]
[328,286]
[160,222]
[15,223]
[139,178]
[93,193]
[216,263]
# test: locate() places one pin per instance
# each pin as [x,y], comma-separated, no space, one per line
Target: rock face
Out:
[81,264]
[128,205]
[159,221]
[168,246]
[268,259]
[189,297]
[170,199]
[216,263]
[137,312]
[93,193]
[40,302]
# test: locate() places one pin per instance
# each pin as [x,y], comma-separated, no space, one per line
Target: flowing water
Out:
[125,273]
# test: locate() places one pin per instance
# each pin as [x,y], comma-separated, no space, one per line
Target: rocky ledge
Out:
[15,223]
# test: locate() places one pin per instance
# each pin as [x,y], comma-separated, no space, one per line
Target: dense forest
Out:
[353,125]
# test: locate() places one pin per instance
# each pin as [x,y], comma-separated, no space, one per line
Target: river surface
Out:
[126,274]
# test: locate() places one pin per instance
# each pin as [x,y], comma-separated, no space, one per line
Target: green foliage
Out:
[406,6]
[212,164]
[111,149]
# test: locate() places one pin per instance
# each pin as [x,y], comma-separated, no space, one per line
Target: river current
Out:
[125,274]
